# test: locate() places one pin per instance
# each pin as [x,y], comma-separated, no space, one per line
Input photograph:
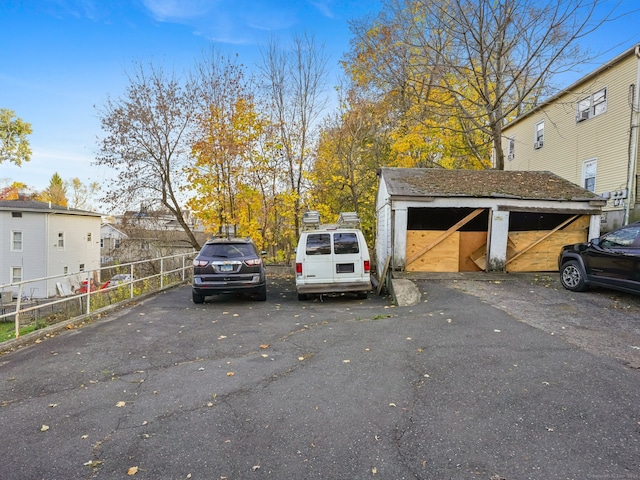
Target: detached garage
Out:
[436,220]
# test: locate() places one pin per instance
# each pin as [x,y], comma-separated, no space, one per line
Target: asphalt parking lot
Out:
[464,385]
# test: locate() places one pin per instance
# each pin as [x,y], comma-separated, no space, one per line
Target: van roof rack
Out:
[348,220]
[311,220]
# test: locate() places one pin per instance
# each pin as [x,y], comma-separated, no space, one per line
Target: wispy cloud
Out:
[94,10]
[235,22]
[175,10]
[324,7]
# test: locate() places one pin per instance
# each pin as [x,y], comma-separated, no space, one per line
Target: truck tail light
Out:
[367,266]
[298,268]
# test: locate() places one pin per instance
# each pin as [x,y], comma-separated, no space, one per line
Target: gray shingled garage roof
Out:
[436,182]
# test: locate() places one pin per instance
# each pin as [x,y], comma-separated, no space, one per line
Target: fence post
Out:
[184,257]
[131,285]
[88,292]
[17,317]
[161,273]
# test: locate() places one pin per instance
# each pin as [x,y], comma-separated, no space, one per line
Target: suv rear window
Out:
[228,250]
[345,243]
[318,244]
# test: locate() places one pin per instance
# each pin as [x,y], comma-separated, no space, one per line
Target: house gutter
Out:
[633,151]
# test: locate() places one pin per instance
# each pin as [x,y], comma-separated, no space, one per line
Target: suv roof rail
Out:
[348,219]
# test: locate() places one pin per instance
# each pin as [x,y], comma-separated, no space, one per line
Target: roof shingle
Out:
[432,182]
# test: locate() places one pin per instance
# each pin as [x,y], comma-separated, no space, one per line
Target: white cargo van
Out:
[332,258]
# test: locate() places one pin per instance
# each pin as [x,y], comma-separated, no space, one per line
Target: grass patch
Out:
[8,329]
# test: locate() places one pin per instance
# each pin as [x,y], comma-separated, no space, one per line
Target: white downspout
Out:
[631,174]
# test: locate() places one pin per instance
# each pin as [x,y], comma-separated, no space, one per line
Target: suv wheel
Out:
[572,278]
[197,298]
[262,294]
[302,297]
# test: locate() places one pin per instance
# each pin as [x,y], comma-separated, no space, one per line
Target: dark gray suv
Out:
[228,265]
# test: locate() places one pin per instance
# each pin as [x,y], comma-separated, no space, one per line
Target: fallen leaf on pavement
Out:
[132,471]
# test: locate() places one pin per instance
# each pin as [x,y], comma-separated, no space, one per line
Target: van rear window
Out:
[318,244]
[345,243]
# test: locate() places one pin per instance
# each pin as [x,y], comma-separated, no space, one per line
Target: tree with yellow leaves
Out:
[352,147]
[14,145]
[56,193]
[226,180]
[469,65]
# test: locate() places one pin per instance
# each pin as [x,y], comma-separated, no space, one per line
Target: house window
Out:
[589,175]
[16,274]
[16,214]
[117,242]
[16,241]
[82,267]
[144,245]
[599,102]
[592,105]
[89,237]
[511,148]
[102,243]
[65,270]
[538,141]
[60,239]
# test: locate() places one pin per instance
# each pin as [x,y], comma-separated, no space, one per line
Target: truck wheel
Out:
[572,277]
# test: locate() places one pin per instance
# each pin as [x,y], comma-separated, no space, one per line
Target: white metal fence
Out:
[79,294]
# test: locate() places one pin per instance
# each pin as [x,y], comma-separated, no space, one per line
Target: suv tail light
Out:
[200,263]
[367,266]
[298,268]
[252,262]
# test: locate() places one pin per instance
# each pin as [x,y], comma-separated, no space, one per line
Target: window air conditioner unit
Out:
[538,144]
[510,156]
[583,115]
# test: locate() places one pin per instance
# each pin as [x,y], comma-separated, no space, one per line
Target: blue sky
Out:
[62,58]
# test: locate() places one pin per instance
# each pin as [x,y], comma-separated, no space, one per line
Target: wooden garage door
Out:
[459,251]
[537,251]
[444,251]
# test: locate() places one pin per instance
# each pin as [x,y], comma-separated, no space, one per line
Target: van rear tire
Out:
[302,297]
[362,295]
